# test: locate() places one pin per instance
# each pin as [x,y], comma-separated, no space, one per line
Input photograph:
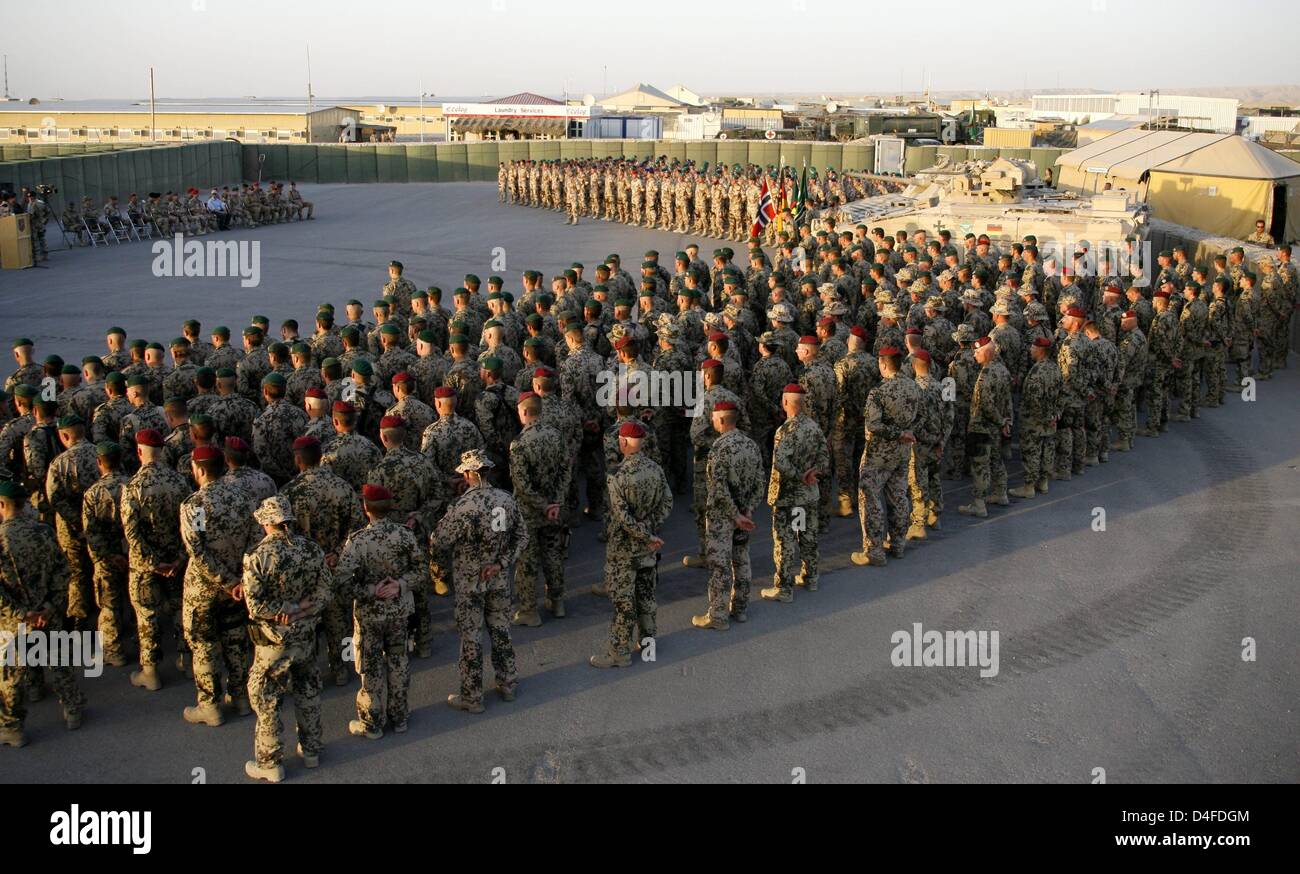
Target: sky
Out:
[239,48]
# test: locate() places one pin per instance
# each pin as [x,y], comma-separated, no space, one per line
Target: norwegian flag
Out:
[766,211]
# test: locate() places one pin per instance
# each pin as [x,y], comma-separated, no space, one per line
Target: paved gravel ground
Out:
[1119,649]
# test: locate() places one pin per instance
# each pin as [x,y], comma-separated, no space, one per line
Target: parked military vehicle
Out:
[1004,199]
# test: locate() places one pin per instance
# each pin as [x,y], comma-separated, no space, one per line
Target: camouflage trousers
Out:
[726,549]
[955,461]
[1215,374]
[795,532]
[422,617]
[987,469]
[1037,452]
[651,214]
[216,629]
[699,492]
[1240,353]
[278,671]
[846,452]
[545,553]
[151,596]
[1162,382]
[336,619]
[631,581]
[110,599]
[1189,384]
[591,461]
[717,225]
[1274,335]
[923,484]
[15,679]
[1126,411]
[637,201]
[883,506]
[1071,440]
[80,571]
[384,664]
[474,609]
[674,445]
[1096,427]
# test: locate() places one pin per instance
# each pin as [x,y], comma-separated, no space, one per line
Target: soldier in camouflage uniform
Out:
[889,416]
[963,371]
[485,535]
[1193,328]
[33,596]
[1074,359]
[1106,380]
[931,430]
[800,459]
[151,503]
[349,455]
[639,504]
[990,424]
[1133,369]
[106,543]
[735,482]
[217,529]
[276,428]
[286,584]
[1219,335]
[540,475]
[70,475]
[378,569]
[418,500]
[1163,347]
[1040,408]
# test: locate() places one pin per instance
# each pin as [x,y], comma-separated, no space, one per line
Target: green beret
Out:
[252,331]
[201,419]
[596,288]
[23,341]
[12,490]
[496,280]
[491,323]
[71,370]
[260,320]
[174,403]
[418,320]
[354,303]
[397,264]
[460,292]
[427,336]
[114,377]
[363,367]
[108,447]
[507,297]
[71,421]
[180,341]
[576,265]
[23,390]
[138,380]
[573,326]
[115,330]
[278,349]
[623,302]
[593,306]
[139,343]
[491,364]
[300,349]
[275,379]
[350,332]
[328,363]
[324,316]
[381,304]
[471,279]
[156,346]
[648,265]
[389,328]
[571,275]
[221,331]
[435,293]
[226,373]
[533,341]
[494,295]
[92,359]
[533,319]
[546,299]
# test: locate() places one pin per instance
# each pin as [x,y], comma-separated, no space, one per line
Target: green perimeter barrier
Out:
[331,164]
[421,163]
[362,166]
[481,159]
[390,163]
[452,163]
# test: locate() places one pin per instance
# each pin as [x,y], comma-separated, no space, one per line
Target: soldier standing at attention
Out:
[890,413]
[286,585]
[102,524]
[540,478]
[1163,347]
[217,528]
[990,424]
[33,595]
[735,482]
[70,475]
[1193,327]
[1040,407]
[485,534]
[799,460]
[639,504]
[378,569]
[151,506]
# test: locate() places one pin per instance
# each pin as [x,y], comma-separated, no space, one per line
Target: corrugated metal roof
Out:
[528,98]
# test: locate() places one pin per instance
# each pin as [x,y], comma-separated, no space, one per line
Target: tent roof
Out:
[642,95]
[1130,153]
[1236,158]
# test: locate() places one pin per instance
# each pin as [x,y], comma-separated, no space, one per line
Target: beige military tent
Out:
[1218,183]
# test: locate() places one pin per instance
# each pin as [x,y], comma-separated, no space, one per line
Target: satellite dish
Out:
[832,107]
[589,100]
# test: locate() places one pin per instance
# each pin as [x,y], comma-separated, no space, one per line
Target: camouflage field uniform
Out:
[151,503]
[217,529]
[540,474]
[1040,407]
[990,412]
[1193,326]
[963,370]
[856,374]
[483,527]
[101,522]
[639,503]
[702,437]
[1133,368]
[1162,347]
[70,475]
[351,456]
[892,408]
[931,431]
[735,476]
[281,572]
[273,435]
[250,479]
[1076,378]
[33,577]
[381,550]
[799,444]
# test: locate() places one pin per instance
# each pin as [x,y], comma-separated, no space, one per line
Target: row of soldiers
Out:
[447,449]
[721,202]
[170,213]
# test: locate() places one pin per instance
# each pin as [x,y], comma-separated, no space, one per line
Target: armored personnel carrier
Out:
[1004,199]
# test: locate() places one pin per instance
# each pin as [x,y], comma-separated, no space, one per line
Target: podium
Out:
[15,242]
